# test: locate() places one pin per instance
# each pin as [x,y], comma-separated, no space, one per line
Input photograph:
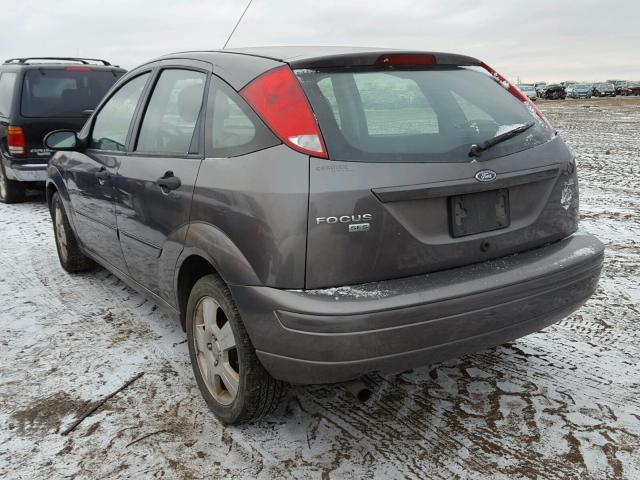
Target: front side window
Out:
[112,123]
[172,113]
[7,81]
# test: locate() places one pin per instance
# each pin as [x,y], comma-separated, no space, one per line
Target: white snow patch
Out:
[566,198]
[582,252]
[506,128]
[351,292]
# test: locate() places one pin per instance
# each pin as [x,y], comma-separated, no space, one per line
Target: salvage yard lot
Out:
[562,403]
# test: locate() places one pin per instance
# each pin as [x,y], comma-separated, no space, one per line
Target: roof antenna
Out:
[238,23]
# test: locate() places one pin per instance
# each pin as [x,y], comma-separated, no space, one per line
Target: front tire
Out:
[69,254]
[229,375]
[10,190]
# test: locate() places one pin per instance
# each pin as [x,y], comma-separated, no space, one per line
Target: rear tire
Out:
[71,257]
[230,377]
[10,190]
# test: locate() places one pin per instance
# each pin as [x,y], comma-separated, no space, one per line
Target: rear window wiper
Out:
[478,148]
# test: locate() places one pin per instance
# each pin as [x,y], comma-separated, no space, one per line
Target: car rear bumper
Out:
[25,170]
[333,335]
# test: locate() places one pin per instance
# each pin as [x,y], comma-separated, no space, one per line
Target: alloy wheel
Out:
[216,351]
[61,233]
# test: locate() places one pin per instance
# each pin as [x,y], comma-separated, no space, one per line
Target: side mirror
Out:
[61,140]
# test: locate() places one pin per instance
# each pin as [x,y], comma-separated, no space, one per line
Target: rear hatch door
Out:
[401,195]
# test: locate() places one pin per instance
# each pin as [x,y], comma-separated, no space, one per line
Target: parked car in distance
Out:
[529,91]
[245,190]
[604,90]
[540,87]
[581,90]
[634,88]
[36,96]
[617,83]
[622,89]
[554,91]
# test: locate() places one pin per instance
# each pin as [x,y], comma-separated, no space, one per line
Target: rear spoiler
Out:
[367,59]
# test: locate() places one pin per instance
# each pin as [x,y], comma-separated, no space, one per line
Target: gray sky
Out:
[533,39]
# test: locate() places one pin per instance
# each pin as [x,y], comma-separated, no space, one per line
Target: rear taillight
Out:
[279,100]
[78,69]
[15,141]
[513,90]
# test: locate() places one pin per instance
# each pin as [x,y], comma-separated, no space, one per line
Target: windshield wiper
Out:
[476,149]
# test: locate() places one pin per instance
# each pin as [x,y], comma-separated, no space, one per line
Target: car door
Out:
[90,175]
[156,181]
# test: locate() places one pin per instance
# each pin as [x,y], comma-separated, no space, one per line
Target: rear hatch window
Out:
[64,92]
[416,115]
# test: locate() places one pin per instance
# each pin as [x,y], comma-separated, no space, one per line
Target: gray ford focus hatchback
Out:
[313,214]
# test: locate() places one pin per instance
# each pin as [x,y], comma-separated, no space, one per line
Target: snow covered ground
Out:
[562,403]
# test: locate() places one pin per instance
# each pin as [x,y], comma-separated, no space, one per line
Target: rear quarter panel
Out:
[259,203]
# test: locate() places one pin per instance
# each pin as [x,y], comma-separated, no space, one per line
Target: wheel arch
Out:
[208,250]
[55,183]
[51,188]
[192,269]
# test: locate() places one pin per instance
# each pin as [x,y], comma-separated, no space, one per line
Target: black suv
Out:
[315,214]
[38,95]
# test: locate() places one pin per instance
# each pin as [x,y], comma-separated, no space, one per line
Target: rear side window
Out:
[415,115]
[113,121]
[172,113]
[64,92]
[7,83]
[234,128]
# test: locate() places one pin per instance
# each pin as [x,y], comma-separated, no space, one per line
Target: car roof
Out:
[238,66]
[299,53]
[306,52]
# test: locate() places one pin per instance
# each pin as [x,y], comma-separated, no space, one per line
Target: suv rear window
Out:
[415,115]
[64,93]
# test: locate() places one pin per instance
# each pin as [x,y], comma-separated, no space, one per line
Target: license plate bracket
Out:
[479,212]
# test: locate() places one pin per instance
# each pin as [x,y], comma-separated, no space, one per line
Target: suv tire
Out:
[71,257]
[10,190]
[230,377]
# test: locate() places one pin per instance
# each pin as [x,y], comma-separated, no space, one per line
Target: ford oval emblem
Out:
[486,176]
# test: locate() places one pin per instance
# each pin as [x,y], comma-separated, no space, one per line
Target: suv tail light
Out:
[16,142]
[513,90]
[279,100]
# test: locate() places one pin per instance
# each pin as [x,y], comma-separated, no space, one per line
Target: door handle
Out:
[102,175]
[168,182]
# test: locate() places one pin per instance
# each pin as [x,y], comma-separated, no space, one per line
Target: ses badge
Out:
[357,223]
